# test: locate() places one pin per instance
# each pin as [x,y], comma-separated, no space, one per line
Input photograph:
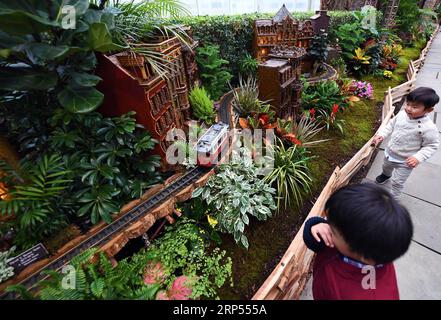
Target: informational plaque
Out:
[28,257]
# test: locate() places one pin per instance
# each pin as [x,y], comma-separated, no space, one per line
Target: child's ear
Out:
[429,110]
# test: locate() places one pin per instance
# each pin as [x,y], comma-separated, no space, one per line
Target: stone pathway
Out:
[419,270]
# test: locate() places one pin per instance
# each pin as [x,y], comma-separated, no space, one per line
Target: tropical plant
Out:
[234,33]
[373,49]
[248,66]
[6,271]
[236,193]
[138,21]
[390,56]
[47,49]
[361,57]
[24,122]
[304,130]
[202,105]
[212,71]
[108,158]
[330,119]
[183,249]
[246,96]
[350,37]
[36,197]
[408,14]
[40,53]
[258,121]
[357,36]
[322,96]
[318,50]
[290,175]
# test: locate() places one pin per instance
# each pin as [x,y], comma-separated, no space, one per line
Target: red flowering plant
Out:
[330,119]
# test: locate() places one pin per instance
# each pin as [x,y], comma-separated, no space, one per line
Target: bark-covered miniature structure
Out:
[161,102]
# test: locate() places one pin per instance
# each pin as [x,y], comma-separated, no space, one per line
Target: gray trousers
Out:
[399,172]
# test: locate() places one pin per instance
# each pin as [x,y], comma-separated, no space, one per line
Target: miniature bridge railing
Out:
[289,277]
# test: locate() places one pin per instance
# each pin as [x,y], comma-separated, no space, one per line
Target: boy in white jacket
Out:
[414,138]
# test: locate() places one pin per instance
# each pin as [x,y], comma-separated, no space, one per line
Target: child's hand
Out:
[323,230]
[412,162]
[377,139]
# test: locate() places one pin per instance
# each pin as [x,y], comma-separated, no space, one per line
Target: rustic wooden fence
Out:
[289,277]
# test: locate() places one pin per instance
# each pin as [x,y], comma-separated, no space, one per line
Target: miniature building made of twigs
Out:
[130,83]
[283,29]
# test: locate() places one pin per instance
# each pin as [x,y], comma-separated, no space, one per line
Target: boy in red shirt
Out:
[366,230]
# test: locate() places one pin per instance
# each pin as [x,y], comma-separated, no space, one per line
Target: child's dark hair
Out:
[426,96]
[371,221]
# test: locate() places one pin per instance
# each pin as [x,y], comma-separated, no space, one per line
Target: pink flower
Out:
[180,289]
[154,273]
[162,295]
[335,108]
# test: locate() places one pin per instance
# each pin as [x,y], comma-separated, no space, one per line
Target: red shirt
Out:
[334,279]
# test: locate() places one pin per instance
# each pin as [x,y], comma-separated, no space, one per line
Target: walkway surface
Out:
[419,270]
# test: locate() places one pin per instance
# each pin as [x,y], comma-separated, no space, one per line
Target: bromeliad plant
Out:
[236,193]
[246,98]
[330,119]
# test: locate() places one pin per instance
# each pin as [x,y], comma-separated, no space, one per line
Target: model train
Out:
[211,144]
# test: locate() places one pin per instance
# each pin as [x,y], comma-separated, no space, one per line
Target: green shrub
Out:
[290,175]
[36,197]
[318,50]
[235,193]
[322,96]
[5,270]
[248,66]
[212,70]
[408,15]
[106,158]
[202,105]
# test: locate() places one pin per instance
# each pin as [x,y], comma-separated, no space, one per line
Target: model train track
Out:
[104,235]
